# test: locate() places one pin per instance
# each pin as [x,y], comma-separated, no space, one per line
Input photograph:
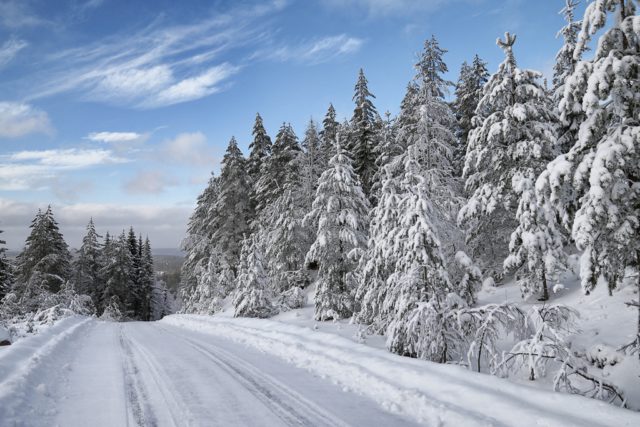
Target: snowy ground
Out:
[86,372]
[201,370]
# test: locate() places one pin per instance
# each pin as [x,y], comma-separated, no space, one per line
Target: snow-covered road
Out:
[154,374]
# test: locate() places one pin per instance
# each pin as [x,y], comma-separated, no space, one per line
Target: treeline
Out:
[399,220]
[113,278]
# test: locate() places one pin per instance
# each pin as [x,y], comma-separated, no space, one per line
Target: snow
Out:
[429,393]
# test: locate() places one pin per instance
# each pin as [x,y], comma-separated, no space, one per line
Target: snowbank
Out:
[20,360]
[430,393]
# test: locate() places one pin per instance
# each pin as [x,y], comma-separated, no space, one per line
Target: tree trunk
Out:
[545,289]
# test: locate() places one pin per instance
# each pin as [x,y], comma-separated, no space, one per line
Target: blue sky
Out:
[120,109]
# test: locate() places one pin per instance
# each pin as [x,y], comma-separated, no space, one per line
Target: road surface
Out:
[154,374]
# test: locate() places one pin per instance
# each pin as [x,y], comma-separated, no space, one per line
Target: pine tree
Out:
[6,271]
[116,274]
[312,162]
[567,59]
[87,265]
[197,246]
[45,262]
[419,274]
[363,138]
[147,280]
[328,136]
[514,128]
[275,170]
[340,210]
[604,163]
[253,292]
[232,220]
[259,152]
[388,149]
[467,95]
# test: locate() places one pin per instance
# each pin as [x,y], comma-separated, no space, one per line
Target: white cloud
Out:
[34,170]
[384,8]
[117,137]
[316,51]
[188,148]
[153,182]
[18,119]
[164,224]
[157,66]
[10,49]
[192,88]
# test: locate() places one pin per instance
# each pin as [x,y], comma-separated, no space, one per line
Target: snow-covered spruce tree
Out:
[87,265]
[388,149]
[341,211]
[468,92]
[605,160]
[44,265]
[6,270]
[432,133]
[567,59]
[328,136]
[232,220]
[117,274]
[253,295]
[147,280]
[259,152]
[513,121]
[378,262]
[419,275]
[363,136]
[312,162]
[536,250]
[274,171]
[193,290]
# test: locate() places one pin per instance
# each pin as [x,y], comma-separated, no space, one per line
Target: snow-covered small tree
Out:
[341,210]
[87,265]
[253,295]
[514,131]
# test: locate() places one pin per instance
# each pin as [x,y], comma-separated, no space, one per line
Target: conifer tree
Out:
[116,273]
[197,247]
[340,210]
[232,220]
[259,152]
[515,128]
[328,136]
[603,165]
[147,280]
[419,273]
[363,138]
[275,170]
[87,265]
[253,292]
[6,271]
[45,262]
[467,95]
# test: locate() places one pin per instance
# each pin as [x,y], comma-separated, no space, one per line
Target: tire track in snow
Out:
[291,407]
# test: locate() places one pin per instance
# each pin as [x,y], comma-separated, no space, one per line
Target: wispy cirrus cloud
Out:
[117,137]
[10,49]
[34,169]
[158,65]
[315,51]
[19,119]
[385,8]
[16,14]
